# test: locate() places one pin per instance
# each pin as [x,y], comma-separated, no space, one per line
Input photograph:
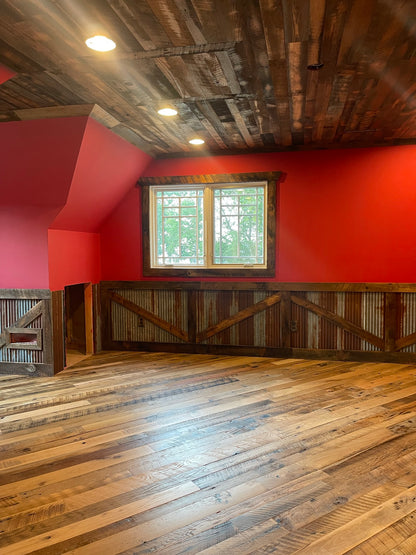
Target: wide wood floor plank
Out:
[168,453]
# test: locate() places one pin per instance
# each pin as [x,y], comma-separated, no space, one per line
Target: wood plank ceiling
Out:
[236,70]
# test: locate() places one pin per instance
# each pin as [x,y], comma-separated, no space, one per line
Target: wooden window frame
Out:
[36,346]
[271,178]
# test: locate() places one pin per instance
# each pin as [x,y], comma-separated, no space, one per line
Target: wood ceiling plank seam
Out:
[132,136]
[218,18]
[105,95]
[35,86]
[228,132]
[263,122]
[241,118]
[213,75]
[339,95]
[200,109]
[178,74]
[8,94]
[348,108]
[153,135]
[355,32]
[191,19]
[259,76]
[295,18]
[170,18]
[273,23]
[166,134]
[316,22]
[12,40]
[335,14]
[229,72]
[165,52]
[297,53]
[145,28]
[15,59]
[32,100]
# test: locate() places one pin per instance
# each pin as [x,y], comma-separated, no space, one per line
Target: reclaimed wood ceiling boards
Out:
[236,70]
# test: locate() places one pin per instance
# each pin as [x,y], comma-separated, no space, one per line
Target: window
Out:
[208,225]
[220,226]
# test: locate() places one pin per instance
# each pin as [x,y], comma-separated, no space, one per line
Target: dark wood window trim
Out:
[271,178]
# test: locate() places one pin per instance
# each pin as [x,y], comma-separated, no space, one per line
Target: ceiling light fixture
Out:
[167,112]
[100,43]
[197,141]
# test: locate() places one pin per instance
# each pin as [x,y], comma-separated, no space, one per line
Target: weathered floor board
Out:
[140,453]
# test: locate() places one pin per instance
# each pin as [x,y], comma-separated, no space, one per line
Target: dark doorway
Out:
[79,333]
[75,337]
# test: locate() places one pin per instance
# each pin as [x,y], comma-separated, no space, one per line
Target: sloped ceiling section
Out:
[107,167]
[38,160]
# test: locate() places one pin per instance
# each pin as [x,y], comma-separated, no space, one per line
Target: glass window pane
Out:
[239,225]
[179,227]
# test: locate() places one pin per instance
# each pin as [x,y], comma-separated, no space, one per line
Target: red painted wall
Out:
[24,247]
[107,168]
[345,215]
[37,162]
[71,172]
[74,257]
[121,244]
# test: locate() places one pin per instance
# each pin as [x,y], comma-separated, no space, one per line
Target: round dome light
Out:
[167,112]
[197,141]
[100,43]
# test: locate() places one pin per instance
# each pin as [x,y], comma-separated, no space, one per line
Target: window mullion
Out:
[209,225]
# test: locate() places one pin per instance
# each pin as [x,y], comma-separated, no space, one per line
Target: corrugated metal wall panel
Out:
[215,306]
[352,312]
[372,317]
[12,310]
[408,318]
[171,306]
[365,309]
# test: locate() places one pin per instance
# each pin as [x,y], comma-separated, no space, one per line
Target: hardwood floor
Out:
[139,453]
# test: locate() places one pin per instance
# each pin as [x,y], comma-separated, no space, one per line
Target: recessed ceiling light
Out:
[100,43]
[197,141]
[167,112]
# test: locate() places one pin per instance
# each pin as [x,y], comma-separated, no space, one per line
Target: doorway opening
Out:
[79,332]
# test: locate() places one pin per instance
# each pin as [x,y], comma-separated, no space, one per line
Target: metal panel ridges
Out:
[12,310]
[171,306]
[215,306]
[372,317]
[408,322]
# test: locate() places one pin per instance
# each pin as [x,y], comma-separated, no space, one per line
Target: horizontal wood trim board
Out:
[244,350]
[339,321]
[238,317]
[153,318]
[17,294]
[33,370]
[261,286]
[210,178]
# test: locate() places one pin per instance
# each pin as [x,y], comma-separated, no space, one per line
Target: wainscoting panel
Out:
[344,321]
[26,332]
